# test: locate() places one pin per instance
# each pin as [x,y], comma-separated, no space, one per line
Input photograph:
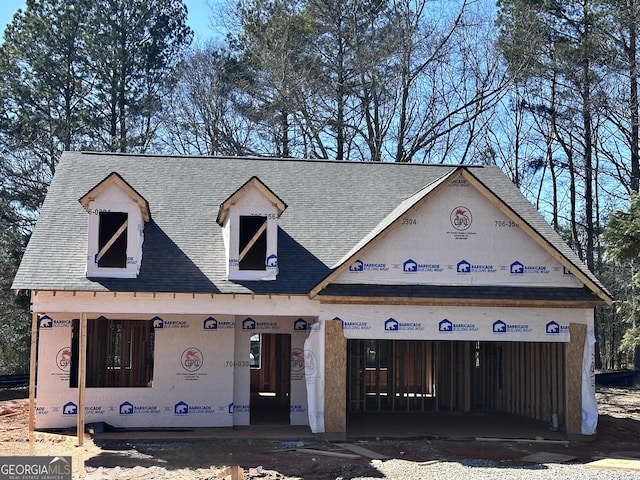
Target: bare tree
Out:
[201,116]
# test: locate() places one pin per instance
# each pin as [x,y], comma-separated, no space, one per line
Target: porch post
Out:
[335,381]
[32,379]
[573,375]
[82,366]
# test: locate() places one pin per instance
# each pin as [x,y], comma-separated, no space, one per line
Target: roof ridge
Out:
[274,158]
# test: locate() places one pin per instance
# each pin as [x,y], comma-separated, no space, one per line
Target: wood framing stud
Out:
[32,380]
[82,367]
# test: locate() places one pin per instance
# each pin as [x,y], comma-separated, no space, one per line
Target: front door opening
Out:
[270,378]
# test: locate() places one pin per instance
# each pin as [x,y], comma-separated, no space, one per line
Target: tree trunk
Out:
[122,86]
[284,134]
[633,84]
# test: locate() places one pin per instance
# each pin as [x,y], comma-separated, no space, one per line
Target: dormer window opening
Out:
[116,215]
[112,240]
[253,242]
[249,221]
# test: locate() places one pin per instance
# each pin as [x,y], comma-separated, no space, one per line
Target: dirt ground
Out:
[618,436]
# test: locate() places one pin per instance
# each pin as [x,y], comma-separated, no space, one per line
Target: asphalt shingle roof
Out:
[332,206]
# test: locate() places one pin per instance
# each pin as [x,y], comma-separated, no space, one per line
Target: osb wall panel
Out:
[335,408]
[575,352]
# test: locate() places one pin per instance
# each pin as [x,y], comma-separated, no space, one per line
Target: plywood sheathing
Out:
[616,464]
[575,353]
[335,378]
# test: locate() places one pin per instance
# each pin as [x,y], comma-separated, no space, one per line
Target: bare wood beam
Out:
[113,239]
[82,367]
[32,380]
[253,240]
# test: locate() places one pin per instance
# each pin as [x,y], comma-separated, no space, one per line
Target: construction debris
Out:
[522,440]
[616,464]
[328,453]
[546,457]
[365,452]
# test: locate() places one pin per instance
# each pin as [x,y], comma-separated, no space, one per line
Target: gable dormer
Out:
[116,215]
[249,219]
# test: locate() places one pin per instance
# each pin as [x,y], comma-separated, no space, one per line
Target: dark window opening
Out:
[255,351]
[112,240]
[253,243]
[376,354]
[119,353]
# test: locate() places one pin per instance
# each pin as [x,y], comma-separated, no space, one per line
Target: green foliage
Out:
[630,341]
[273,46]
[132,47]
[622,238]
[622,232]
[14,310]
[42,95]
[82,75]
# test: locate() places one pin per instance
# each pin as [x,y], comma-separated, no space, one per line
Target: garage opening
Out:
[521,378]
[270,360]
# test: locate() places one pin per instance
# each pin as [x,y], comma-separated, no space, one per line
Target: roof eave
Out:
[255,182]
[537,237]
[116,178]
[456,302]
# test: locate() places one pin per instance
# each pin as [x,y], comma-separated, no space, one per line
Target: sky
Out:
[198,18]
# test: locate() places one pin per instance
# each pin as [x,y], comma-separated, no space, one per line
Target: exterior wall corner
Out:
[335,407]
[574,358]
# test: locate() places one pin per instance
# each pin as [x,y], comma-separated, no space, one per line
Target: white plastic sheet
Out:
[314,375]
[589,403]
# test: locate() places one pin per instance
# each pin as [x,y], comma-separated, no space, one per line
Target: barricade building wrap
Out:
[458,237]
[201,373]
[487,324]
